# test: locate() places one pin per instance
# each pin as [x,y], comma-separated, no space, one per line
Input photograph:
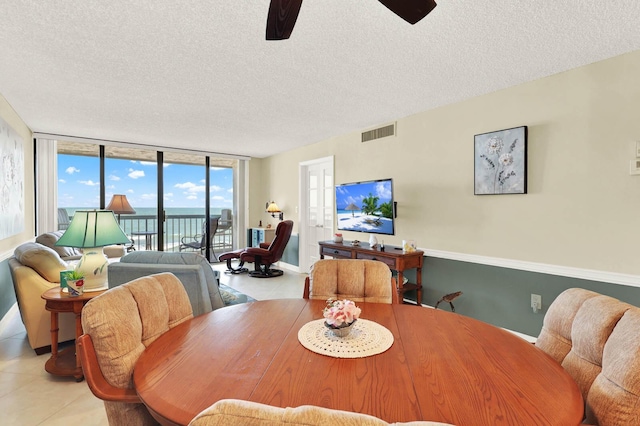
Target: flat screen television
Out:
[366,207]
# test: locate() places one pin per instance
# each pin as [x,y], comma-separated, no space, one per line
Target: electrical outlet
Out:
[536,302]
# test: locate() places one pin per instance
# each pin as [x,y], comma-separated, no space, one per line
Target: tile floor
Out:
[30,396]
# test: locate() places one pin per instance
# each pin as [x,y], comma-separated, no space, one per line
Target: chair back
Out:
[226,219]
[235,412]
[213,228]
[354,279]
[63,219]
[614,396]
[555,336]
[277,246]
[118,325]
[590,331]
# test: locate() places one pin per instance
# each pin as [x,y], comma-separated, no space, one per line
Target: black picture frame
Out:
[500,162]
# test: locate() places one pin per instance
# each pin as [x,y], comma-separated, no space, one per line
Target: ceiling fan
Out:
[283,14]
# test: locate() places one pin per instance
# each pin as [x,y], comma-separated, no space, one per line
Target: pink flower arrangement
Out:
[340,313]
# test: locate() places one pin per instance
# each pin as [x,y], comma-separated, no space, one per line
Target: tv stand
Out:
[392,256]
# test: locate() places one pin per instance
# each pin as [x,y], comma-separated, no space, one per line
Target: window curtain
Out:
[46,178]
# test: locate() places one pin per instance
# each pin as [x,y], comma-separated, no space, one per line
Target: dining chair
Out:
[555,336]
[118,325]
[359,280]
[614,396]
[200,241]
[235,412]
[593,324]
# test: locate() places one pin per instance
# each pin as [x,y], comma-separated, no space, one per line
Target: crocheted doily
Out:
[366,338]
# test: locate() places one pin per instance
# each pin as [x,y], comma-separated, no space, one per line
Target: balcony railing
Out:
[143,231]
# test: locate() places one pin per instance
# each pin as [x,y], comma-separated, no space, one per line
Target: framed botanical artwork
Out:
[500,162]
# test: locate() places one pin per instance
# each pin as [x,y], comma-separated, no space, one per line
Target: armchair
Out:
[262,257]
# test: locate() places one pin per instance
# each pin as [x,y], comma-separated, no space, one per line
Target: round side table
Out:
[65,363]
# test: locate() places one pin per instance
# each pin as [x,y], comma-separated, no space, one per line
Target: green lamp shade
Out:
[93,228]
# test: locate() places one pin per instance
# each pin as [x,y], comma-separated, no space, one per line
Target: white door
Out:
[317,208]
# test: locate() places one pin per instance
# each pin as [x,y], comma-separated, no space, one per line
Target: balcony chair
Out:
[354,279]
[200,242]
[262,257]
[118,325]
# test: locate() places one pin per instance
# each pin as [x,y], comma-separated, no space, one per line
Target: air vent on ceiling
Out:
[381,132]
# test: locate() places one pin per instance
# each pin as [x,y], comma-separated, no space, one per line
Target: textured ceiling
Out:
[200,75]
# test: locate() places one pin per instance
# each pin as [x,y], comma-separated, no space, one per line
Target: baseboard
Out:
[288,267]
[563,271]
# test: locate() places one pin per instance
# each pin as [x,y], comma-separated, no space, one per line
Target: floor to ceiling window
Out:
[178,183]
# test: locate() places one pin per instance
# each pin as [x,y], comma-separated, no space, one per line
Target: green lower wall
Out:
[502,296]
[498,296]
[7,294]
[291,251]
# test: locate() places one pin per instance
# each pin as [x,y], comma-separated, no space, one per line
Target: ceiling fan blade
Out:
[282,18]
[411,11]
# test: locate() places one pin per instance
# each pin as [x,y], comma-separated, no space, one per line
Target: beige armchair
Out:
[353,279]
[118,325]
[34,270]
[234,412]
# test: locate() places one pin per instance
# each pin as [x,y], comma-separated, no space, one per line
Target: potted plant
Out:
[340,315]
[75,282]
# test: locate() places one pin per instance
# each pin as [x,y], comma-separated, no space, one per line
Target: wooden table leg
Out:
[54,337]
[77,310]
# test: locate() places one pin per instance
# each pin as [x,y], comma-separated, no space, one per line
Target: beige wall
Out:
[582,208]
[9,115]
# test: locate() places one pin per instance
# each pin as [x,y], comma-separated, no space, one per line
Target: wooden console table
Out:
[393,256]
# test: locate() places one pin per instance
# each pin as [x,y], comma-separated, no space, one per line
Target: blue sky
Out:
[184,185]
[354,193]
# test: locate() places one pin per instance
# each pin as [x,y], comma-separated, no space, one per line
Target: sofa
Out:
[200,281]
[35,268]
[67,254]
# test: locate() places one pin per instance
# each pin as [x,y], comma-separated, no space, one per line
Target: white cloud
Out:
[230,190]
[135,174]
[215,188]
[129,191]
[71,170]
[89,182]
[62,181]
[114,177]
[148,196]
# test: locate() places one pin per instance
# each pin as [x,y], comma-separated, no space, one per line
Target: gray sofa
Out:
[192,269]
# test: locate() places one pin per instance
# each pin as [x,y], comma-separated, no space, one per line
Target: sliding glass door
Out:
[139,183]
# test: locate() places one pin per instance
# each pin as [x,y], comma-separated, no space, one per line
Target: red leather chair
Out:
[262,257]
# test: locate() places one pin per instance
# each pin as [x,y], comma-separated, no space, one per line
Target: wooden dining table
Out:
[442,366]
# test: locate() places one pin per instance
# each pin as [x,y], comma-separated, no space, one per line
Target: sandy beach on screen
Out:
[364,223]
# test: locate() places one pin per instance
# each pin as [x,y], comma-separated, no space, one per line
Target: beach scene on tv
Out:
[365,207]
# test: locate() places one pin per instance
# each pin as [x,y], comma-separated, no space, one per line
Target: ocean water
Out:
[180,222]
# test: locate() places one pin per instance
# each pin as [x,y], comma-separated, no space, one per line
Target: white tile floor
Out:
[30,396]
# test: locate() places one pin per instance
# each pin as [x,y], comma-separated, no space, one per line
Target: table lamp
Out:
[120,205]
[274,209]
[91,230]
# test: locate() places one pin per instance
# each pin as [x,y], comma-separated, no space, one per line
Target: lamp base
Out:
[93,265]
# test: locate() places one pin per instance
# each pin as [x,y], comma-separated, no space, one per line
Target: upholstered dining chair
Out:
[118,325]
[614,396]
[555,336]
[235,412]
[359,280]
[593,324]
